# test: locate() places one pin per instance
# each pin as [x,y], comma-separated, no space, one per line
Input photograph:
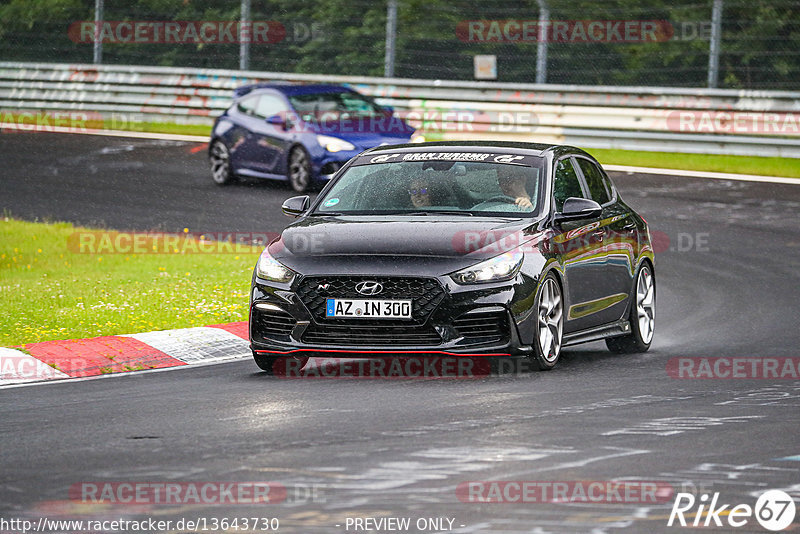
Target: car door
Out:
[238,136]
[620,238]
[582,252]
[266,144]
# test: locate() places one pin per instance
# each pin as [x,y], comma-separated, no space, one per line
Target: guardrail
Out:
[711,121]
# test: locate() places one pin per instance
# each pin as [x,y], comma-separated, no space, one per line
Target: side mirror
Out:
[277,120]
[295,206]
[576,209]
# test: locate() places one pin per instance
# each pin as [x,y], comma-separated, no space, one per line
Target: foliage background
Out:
[760,45]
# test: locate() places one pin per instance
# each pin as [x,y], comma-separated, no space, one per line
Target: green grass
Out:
[789,167]
[49,290]
[80,121]
[164,127]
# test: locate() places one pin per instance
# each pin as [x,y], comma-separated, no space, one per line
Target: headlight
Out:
[270,269]
[498,269]
[334,144]
[417,138]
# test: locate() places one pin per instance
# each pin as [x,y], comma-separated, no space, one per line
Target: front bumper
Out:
[474,321]
[325,164]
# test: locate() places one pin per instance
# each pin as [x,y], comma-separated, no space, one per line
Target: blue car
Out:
[301,134]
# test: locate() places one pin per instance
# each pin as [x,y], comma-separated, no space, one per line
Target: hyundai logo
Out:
[368,287]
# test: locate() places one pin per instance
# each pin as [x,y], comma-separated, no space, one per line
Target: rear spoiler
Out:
[245,89]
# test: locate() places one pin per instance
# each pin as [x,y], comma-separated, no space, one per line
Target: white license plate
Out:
[368,308]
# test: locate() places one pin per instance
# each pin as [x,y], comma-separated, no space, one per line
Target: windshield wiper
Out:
[394,212]
[443,212]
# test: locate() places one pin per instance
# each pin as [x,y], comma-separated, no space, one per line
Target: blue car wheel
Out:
[220,158]
[299,169]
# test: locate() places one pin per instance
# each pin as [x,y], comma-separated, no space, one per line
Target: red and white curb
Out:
[107,355]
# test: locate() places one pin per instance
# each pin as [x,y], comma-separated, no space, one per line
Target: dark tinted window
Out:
[594,179]
[409,187]
[324,106]
[566,183]
[607,183]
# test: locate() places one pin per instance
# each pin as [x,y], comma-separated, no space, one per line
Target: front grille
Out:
[273,323]
[483,327]
[425,293]
[371,333]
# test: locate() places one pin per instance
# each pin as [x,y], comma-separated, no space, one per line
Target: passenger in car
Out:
[419,190]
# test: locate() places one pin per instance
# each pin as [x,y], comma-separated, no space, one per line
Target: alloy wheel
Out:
[220,163]
[550,320]
[645,304]
[299,170]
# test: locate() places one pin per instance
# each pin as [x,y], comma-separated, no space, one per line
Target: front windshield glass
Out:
[374,186]
[313,107]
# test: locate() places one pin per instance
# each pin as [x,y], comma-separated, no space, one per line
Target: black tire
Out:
[638,340]
[273,365]
[548,336]
[299,169]
[220,159]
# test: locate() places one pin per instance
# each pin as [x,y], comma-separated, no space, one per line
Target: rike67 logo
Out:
[774,510]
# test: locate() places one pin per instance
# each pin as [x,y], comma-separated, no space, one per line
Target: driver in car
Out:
[512,184]
[419,192]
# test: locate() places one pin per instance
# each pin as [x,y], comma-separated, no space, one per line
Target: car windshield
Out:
[314,107]
[401,186]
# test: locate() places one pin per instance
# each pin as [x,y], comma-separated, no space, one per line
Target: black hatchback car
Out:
[464,248]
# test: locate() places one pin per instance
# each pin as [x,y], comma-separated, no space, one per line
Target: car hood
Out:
[431,244]
[366,132]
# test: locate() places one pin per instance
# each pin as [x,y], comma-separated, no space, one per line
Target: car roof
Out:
[531,149]
[290,89]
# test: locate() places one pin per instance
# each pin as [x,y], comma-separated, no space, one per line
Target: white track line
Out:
[614,168]
[128,374]
[704,174]
[110,133]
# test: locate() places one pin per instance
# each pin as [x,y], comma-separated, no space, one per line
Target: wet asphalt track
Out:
[729,286]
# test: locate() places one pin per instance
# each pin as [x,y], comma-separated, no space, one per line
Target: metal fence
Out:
[711,121]
[613,42]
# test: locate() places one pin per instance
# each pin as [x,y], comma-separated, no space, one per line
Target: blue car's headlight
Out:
[334,144]
[498,269]
[270,269]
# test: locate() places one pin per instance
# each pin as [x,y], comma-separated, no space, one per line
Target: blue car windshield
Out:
[314,107]
[415,187]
